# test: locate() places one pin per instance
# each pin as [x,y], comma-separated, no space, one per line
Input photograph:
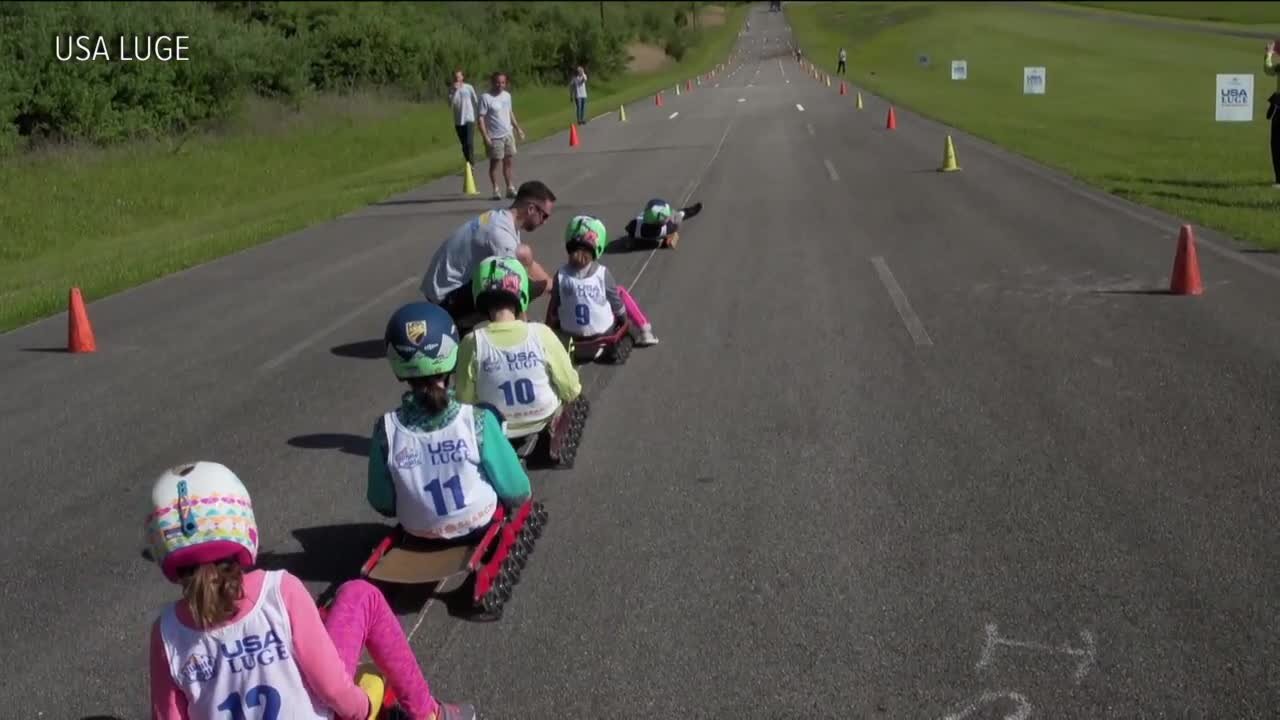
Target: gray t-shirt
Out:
[496,112]
[465,104]
[492,233]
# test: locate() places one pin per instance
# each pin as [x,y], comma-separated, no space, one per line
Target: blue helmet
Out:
[422,341]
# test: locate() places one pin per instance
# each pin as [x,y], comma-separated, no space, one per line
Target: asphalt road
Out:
[914,445]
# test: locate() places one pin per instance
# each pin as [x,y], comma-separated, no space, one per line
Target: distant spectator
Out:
[1272,67]
[466,105]
[498,118]
[578,93]
[844,57]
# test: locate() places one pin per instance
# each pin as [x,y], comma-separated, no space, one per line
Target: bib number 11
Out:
[436,488]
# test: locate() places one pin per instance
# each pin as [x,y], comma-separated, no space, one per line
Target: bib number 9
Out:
[582,314]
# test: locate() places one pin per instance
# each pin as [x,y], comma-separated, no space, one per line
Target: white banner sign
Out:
[1033,80]
[959,69]
[1235,98]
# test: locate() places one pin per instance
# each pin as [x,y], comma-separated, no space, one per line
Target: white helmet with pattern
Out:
[200,513]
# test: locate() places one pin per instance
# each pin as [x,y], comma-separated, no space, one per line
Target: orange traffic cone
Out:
[79,331]
[1186,266]
[573,135]
[843,89]
[688,86]
[657,99]
[892,122]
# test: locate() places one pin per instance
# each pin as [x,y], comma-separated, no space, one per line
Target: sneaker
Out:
[497,194]
[511,192]
[461,711]
[646,338]
[690,211]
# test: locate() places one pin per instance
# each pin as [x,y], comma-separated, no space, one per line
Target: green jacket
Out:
[499,464]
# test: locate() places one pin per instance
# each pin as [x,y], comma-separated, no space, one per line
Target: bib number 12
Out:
[263,696]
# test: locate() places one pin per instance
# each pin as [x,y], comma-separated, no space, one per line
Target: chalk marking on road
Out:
[673,115]
[1086,654]
[692,188]
[909,317]
[782,70]
[332,327]
[1022,712]
[750,84]
[809,127]
[799,107]
[742,99]
[831,170]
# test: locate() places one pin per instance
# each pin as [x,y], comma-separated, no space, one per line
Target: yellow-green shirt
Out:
[509,334]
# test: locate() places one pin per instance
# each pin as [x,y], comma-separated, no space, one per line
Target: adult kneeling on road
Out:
[447,281]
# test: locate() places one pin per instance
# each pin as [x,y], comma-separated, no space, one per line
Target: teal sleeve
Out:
[500,463]
[381,492]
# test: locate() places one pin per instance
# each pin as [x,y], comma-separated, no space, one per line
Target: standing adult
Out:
[466,105]
[1271,66]
[840,68]
[447,281]
[578,92]
[497,121]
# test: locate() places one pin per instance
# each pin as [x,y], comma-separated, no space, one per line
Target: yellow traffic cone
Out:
[622,113]
[859,99]
[469,183]
[949,158]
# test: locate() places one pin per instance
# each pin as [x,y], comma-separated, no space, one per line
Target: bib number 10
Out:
[519,392]
[263,696]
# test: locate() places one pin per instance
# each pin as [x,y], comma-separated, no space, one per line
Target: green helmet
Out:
[586,231]
[502,276]
[657,212]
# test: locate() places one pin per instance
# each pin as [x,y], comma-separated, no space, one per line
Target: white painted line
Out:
[742,99]
[909,317]
[673,115]
[324,332]
[689,194]
[831,170]
[782,70]
[799,107]
[809,127]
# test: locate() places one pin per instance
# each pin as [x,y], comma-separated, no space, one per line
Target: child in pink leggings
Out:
[585,299]
[250,643]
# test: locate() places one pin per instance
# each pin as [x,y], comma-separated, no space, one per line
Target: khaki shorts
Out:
[502,147]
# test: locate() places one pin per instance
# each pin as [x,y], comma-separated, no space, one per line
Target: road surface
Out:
[914,445]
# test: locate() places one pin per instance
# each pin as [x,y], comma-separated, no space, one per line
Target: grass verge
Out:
[108,220]
[1221,11]
[1127,109]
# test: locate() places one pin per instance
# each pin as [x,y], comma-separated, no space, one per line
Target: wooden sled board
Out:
[408,566]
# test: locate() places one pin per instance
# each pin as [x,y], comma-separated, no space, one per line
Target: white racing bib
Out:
[440,492]
[584,306]
[515,380]
[243,670]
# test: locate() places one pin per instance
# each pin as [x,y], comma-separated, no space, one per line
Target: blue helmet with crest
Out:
[422,341]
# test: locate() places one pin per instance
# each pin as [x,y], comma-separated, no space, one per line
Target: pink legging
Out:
[634,313]
[360,617]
